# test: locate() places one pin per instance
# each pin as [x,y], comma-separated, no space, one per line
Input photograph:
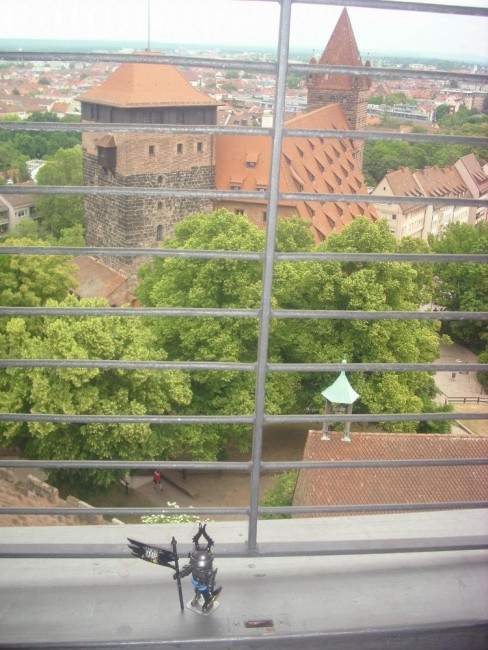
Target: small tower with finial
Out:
[340,392]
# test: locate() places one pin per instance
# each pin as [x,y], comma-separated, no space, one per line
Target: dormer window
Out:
[107,153]
[252,159]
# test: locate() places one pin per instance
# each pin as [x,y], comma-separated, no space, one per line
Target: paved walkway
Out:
[461,383]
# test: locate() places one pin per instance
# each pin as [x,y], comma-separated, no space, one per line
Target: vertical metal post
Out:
[268,268]
[325,428]
[347,426]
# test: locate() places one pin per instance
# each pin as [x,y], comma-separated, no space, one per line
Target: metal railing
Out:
[261,367]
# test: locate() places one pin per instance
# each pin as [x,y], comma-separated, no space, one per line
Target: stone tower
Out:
[348,90]
[144,93]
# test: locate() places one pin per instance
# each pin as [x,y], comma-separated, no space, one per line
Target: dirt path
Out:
[217,489]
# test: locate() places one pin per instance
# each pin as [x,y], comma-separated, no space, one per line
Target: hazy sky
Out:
[243,23]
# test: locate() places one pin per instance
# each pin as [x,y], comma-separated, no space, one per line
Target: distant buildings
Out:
[160,94]
[465,179]
[14,208]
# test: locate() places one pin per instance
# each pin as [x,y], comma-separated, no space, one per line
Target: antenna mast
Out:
[148,26]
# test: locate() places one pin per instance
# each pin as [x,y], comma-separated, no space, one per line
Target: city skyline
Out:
[246,24]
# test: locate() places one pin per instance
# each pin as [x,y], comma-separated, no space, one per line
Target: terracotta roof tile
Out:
[312,165]
[342,49]
[135,85]
[368,486]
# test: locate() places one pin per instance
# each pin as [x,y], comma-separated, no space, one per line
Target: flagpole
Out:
[178,579]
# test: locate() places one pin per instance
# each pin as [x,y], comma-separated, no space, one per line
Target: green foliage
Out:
[441,111]
[463,287]
[281,494]
[31,280]
[18,147]
[383,156]
[60,212]
[483,376]
[86,391]
[174,282]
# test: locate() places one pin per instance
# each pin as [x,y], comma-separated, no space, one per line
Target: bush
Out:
[281,494]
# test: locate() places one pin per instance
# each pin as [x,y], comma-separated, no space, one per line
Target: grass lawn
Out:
[477,426]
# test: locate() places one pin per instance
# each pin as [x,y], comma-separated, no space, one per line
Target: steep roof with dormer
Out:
[145,85]
[438,182]
[312,165]
[342,50]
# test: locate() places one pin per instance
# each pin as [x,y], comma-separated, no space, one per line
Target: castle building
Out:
[145,93]
[349,90]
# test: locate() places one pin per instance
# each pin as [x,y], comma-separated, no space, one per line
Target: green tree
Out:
[175,282]
[31,280]
[464,287]
[281,494]
[441,111]
[60,212]
[87,391]
[377,286]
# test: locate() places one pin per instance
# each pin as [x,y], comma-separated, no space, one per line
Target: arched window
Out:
[159,233]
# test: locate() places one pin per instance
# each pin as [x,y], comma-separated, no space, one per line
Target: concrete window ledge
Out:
[395,586]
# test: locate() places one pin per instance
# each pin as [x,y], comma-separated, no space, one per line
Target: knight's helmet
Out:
[201,561]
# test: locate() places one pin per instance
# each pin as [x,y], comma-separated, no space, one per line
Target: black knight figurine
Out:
[200,566]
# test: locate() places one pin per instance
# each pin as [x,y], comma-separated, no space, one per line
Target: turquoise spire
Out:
[341,391]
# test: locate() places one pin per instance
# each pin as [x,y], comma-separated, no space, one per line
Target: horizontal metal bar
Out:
[125,512]
[376,507]
[381,200]
[291,510]
[188,312]
[271,466]
[372,417]
[266,549]
[393,5]
[127,419]
[377,315]
[236,419]
[242,367]
[127,464]
[282,466]
[424,138]
[129,365]
[240,64]
[375,367]
[79,190]
[127,311]
[91,127]
[247,256]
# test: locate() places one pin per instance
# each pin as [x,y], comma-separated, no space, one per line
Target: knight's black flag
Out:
[154,554]
[159,555]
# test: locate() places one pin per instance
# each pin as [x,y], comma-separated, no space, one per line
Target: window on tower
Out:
[152,150]
[179,148]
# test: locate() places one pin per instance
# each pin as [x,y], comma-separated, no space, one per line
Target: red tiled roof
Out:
[312,165]
[342,49]
[441,182]
[368,486]
[139,85]
[95,280]
[476,172]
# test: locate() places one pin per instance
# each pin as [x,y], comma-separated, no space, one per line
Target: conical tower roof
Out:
[341,391]
[342,49]
[145,85]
